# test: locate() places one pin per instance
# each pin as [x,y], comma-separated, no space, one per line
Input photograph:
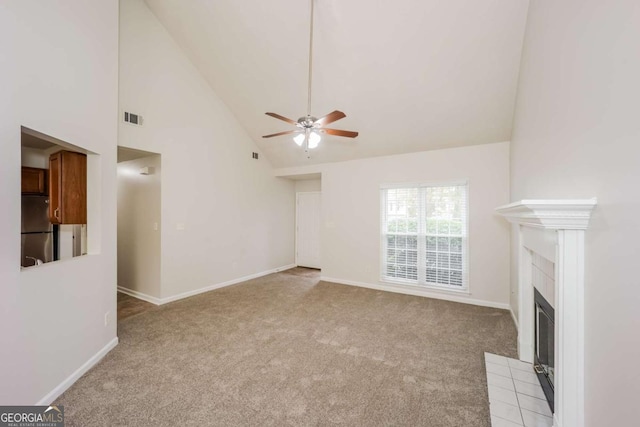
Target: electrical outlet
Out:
[107,315]
[180,226]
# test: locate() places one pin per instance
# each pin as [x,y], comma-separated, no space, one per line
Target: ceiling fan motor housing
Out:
[307,122]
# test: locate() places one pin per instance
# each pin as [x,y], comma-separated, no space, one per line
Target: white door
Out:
[308,210]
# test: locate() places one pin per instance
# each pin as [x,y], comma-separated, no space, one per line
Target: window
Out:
[424,235]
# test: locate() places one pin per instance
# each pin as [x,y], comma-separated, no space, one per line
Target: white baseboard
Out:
[401,289]
[161,301]
[139,295]
[64,385]
[224,284]
[525,351]
[515,319]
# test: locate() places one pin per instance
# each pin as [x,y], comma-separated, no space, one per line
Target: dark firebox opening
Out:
[544,356]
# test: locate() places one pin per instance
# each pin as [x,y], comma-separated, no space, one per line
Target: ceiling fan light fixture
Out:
[299,139]
[314,140]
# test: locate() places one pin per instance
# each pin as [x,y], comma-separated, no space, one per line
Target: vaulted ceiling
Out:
[411,75]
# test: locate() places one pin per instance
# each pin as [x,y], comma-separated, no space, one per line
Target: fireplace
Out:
[555,230]
[544,359]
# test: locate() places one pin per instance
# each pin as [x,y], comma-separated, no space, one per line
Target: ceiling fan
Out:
[309,128]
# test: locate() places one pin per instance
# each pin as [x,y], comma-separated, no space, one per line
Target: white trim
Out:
[542,242]
[422,234]
[139,295]
[569,328]
[418,291]
[165,300]
[68,382]
[432,286]
[445,183]
[224,284]
[513,316]
[526,311]
[550,214]
[569,219]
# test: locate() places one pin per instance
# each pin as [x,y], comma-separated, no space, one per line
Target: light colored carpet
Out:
[129,306]
[286,349]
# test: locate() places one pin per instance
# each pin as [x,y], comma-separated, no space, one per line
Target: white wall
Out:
[59,76]
[577,135]
[307,185]
[139,225]
[237,218]
[351,213]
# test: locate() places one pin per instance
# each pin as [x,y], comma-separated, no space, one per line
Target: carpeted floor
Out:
[129,306]
[286,349]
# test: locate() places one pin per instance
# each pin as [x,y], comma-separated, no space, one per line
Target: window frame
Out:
[421,282]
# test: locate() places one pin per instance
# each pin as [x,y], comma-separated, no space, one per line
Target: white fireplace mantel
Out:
[555,229]
[550,214]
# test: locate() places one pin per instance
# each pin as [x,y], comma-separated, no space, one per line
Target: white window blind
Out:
[424,235]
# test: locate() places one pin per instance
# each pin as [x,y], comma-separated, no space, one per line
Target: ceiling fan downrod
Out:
[310,62]
[310,125]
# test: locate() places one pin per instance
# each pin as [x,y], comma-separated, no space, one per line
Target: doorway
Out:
[139,230]
[308,219]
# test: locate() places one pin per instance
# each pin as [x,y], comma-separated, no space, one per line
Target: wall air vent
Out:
[134,119]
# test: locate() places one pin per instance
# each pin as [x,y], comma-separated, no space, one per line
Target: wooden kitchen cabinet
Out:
[68,188]
[34,181]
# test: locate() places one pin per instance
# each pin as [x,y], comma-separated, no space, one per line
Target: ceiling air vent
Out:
[134,119]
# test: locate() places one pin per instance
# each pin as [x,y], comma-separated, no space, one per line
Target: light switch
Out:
[155,226]
[180,226]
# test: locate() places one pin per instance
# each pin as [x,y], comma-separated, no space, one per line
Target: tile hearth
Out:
[515,395]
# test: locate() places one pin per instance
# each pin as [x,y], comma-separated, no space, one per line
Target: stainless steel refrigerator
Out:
[38,234]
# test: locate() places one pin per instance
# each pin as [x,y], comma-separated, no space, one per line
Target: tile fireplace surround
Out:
[555,229]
